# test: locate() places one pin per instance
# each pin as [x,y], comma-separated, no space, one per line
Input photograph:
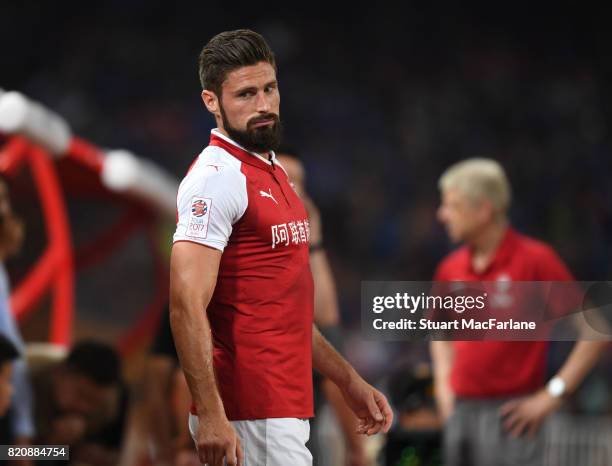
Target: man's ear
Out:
[210,101]
[487,210]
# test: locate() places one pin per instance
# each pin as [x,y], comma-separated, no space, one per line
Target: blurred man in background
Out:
[82,402]
[18,426]
[327,319]
[491,394]
[240,282]
[167,402]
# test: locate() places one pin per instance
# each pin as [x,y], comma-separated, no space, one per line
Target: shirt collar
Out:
[502,254]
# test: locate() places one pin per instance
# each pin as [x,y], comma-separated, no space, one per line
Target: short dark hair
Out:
[8,351]
[228,51]
[97,361]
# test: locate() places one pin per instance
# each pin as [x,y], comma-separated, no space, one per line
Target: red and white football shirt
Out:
[261,312]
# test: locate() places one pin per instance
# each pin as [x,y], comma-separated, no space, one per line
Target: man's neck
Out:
[486,243]
[222,131]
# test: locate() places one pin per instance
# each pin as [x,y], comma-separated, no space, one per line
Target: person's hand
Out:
[445,400]
[216,440]
[356,456]
[369,405]
[525,415]
[186,457]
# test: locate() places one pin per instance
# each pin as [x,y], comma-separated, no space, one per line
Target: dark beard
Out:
[260,140]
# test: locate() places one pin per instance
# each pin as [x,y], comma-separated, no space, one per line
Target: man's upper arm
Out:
[210,200]
[562,297]
[193,274]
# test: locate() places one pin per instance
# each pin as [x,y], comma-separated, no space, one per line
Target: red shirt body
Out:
[489,369]
[261,312]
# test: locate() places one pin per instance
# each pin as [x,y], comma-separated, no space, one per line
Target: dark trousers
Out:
[474,436]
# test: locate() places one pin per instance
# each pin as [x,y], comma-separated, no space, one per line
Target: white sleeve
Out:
[211,199]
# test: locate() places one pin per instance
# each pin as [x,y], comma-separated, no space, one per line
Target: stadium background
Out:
[377,102]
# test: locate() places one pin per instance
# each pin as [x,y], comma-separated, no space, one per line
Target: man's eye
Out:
[245,94]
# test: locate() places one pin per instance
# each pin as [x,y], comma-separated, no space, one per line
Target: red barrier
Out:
[55,270]
[13,155]
[86,154]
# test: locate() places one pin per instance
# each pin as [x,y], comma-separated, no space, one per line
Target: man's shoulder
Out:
[215,160]
[542,258]
[457,255]
[534,248]
[215,165]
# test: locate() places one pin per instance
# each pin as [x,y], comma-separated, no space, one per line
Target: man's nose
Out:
[263,103]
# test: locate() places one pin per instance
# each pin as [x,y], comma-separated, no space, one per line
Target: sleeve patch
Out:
[199,217]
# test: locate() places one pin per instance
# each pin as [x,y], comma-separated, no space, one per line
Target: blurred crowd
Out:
[376,110]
